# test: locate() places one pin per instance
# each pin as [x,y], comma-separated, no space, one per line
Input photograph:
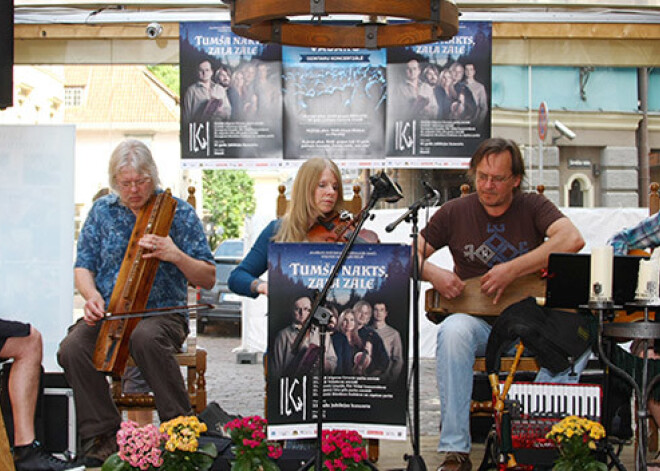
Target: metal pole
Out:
[540,162]
[643,136]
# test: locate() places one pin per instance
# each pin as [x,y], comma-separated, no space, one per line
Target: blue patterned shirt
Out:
[104,238]
[644,235]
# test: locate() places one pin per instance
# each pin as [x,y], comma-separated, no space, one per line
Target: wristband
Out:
[255,285]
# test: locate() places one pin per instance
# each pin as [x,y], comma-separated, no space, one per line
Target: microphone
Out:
[431,198]
[432,194]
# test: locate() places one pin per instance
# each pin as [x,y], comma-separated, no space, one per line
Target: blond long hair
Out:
[302,209]
[352,335]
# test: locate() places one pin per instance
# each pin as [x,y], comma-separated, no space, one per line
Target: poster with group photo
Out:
[246,104]
[365,361]
[334,103]
[231,95]
[439,95]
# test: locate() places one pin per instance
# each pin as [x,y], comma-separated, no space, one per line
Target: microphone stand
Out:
[415,461]
[322,315]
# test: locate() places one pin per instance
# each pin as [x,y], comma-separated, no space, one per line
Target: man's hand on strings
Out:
[94,309]
[447,283]
[162,248]
[497,280]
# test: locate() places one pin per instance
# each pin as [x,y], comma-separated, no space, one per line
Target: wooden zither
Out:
[133,285]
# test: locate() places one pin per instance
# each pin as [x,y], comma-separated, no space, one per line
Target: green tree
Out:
[168,74]
[228,199]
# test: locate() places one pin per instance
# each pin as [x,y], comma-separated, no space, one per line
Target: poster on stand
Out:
[365,360]
[439,96]
[334,102]
[231,96]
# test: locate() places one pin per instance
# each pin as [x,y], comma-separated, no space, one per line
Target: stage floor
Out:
[239,389]
[391,454]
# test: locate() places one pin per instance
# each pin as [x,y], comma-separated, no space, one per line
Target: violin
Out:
[339,227]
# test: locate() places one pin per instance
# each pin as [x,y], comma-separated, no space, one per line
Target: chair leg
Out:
[142,417]
[373,446]
[200,381]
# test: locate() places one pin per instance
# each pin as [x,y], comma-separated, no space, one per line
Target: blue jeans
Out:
[461,338]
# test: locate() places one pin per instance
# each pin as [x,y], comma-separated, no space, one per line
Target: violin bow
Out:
[159,311]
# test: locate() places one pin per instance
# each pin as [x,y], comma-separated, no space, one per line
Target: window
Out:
[73,96]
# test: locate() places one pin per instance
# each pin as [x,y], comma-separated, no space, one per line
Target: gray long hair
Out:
[136,155]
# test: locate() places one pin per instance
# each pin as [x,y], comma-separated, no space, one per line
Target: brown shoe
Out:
[455,461]
[96,450]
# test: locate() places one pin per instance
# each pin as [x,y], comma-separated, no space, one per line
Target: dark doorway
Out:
[576,195]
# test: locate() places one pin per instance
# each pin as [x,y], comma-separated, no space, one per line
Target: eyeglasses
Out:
[495,179]
[137,183]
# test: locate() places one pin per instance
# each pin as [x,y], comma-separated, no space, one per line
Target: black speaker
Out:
[291,460]
[54,419]
[5,404]
[6,53]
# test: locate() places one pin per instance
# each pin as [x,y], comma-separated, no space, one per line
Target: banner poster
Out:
[366,360]
[231,95]
[334,103]
[439,95]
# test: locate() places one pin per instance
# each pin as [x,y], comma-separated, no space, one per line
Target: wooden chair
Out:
[192,359]
[354,206]
[6,459]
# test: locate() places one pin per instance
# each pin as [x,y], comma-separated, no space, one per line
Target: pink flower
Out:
[274,451]
[248,435]
[139,447]
[343,449]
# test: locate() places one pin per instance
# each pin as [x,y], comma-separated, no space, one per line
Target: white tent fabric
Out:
[595,224]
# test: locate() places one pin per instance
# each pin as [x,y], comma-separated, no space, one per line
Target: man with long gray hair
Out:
[184,257]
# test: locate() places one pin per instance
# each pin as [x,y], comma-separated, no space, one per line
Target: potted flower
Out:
[343,450]
[173,447]
[139,448]
[181,450]
[576,439]
[252,452]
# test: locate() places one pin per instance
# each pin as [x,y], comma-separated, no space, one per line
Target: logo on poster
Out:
[293,396]
[404,135]
[198,140]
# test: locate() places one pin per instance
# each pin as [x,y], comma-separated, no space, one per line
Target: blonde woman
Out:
[361,350]
[317,192]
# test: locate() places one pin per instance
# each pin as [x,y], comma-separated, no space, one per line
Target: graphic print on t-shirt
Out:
[496,249]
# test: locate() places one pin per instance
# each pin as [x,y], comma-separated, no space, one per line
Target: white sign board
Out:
[36,240]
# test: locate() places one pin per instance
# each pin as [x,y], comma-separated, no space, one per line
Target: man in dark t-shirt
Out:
[498,234]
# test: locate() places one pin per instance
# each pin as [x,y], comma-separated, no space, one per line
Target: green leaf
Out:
[228,197]
[241,465]
[269,465]
[115,463]
[208,449]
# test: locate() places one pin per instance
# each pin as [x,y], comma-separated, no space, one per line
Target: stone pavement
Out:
[239,388]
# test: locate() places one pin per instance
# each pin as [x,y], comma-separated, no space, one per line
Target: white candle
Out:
[647,280]
[602,259]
